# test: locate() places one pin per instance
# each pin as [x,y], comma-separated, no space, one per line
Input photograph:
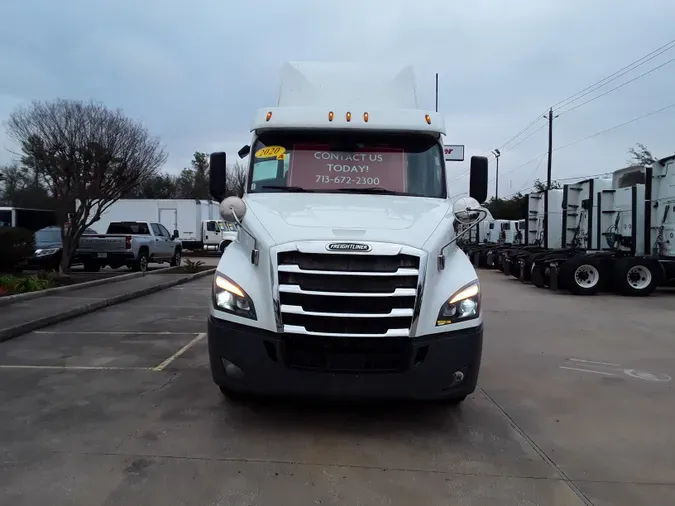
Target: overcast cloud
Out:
[194,72]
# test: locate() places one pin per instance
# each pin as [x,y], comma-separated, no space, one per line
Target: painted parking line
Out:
[113,333]
[587,370]
[75,367]
[173,357]
[593,362]
[604,368]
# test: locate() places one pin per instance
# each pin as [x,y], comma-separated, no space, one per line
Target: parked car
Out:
[131,243]
[48,248]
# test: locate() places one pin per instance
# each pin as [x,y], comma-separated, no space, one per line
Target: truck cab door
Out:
[161,240]
[211,232]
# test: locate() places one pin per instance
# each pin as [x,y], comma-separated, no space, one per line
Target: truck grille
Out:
[347,294]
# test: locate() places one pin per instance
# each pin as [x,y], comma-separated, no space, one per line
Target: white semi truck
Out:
[345,279]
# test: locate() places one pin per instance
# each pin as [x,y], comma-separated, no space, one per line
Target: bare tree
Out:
[87,155]
[641,155]
[236,179]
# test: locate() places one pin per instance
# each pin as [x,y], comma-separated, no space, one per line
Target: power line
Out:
[527,127]
[585,139]
[617,87]
[523,164]
[594,87]
[631,66]
[524,139]
[615,127]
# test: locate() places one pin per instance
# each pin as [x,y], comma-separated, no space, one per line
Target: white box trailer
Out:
[198,222]
[633,237]
[580,212]
[544,219]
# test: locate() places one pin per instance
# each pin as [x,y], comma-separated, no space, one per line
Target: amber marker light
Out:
[269,116]
[365,117]
[349,116]
[428,118]
[330,116]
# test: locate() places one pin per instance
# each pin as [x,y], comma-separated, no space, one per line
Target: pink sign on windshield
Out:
[315,167]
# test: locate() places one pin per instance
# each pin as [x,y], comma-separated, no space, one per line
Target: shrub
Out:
[16,245]
[13,284]
[191,266]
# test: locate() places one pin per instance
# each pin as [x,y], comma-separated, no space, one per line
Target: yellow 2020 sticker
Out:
[271,152]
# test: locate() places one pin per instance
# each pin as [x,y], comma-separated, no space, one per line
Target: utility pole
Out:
[497,154]
[550,147]
[436,91]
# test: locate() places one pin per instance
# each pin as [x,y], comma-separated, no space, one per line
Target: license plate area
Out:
[102,255]
[347,354]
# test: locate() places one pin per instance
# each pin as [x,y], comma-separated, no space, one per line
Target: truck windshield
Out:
[5,218]
[333,162]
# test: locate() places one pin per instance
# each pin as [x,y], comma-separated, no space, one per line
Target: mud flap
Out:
[521,271]
[553,277]
[475,259]
[507,266]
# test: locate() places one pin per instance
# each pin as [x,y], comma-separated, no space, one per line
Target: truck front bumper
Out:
[248,359]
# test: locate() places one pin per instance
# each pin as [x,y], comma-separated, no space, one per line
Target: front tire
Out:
[454,401]
[232,395]
[176,259]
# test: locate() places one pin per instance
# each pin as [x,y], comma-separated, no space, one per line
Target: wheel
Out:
[92,266]
[177,258]
[582,275]
[141,263]
[636,276]
[223,246]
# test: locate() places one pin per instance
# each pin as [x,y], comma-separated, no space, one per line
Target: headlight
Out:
[462,306]
[230,297]
[45,252]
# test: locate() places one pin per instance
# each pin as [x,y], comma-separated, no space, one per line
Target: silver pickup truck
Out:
[130,243]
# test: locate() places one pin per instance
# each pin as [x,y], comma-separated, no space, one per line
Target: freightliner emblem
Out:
[348,246]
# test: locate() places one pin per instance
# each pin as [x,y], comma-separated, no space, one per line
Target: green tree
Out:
[20,188]
[515,206]
[200,168]
[87,156]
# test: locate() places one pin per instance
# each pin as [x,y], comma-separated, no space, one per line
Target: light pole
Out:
[497,155]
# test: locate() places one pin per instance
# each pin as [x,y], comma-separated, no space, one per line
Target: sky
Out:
[195,72]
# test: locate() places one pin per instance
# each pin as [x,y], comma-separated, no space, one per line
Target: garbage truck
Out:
[345,279]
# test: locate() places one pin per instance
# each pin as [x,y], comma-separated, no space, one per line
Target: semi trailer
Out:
[346,279]
[627,244]
[543,233]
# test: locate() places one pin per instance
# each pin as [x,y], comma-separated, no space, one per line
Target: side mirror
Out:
[218,176]
[232,210]
[478,178]
[468,211]
[244,151]
[175,234]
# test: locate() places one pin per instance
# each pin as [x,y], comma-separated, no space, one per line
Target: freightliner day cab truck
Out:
[345,279]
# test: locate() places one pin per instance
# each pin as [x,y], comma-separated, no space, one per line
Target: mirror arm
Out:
[255,252]
[440,259]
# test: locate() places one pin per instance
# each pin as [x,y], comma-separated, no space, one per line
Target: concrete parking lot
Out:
[575,406]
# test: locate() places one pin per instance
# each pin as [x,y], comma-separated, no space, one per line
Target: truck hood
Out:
[328,216]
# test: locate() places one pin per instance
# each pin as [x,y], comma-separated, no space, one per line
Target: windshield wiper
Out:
[287,188]
[370,189]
